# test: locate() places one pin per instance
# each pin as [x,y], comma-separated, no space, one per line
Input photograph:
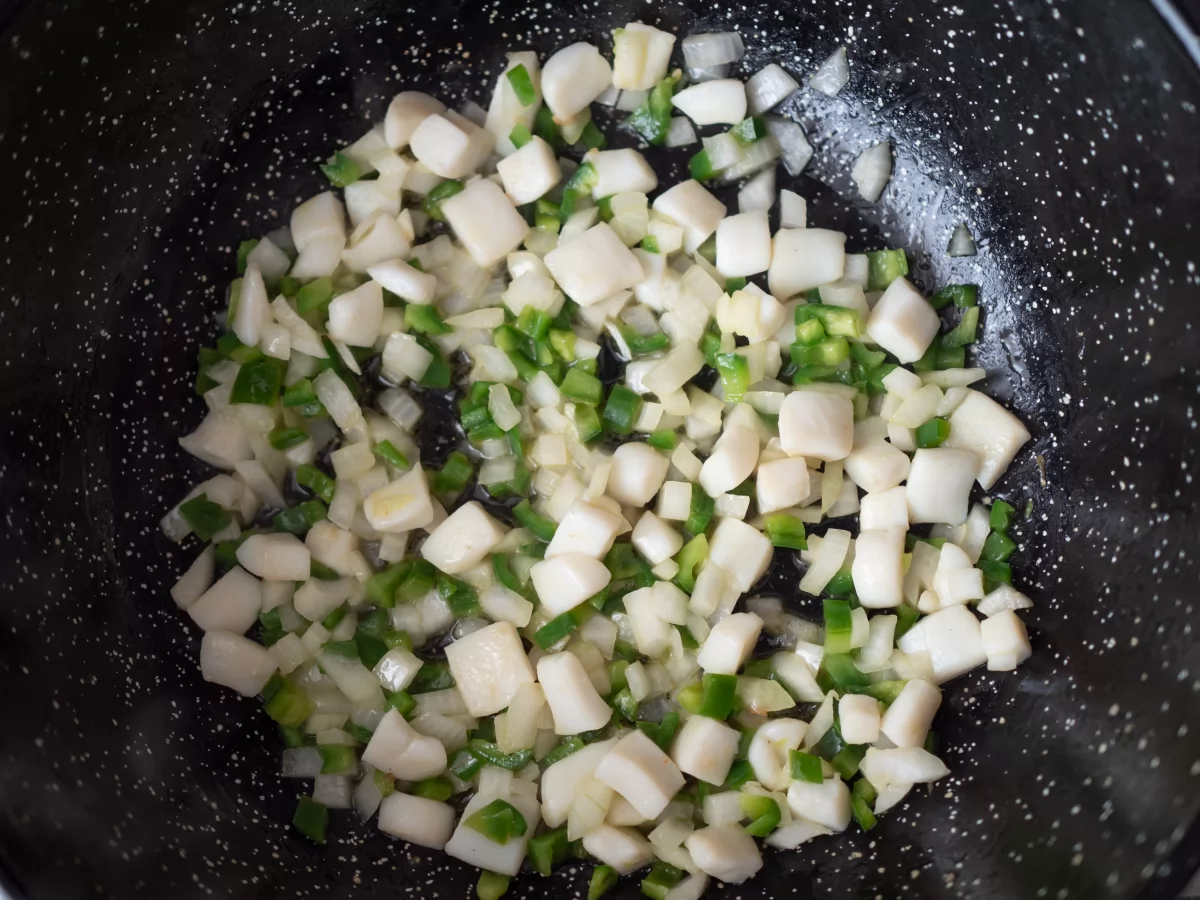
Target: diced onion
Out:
[873,170]
[681,132]
[962,242]
[769,87]
[831,76]
[301,762]
[500,406]
[827,559]
[759,192]
[708,73]
[337,399]
[724,150]
[794,148]
[703,50]
[497,471]
[400,407]
[631,100]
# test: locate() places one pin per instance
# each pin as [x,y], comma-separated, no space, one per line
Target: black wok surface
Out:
[141,142]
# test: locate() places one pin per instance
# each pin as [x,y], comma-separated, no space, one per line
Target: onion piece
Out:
[708,73]
[769,87]
[724,151]
[962,242]
[827,559]
[609,97]
[631,100]
[304,337]
[715,49]
[758,193]
[794,147]
[681,132]
[572,78]
[501,408]
[300,762]
[720,102]
[337,399]
[400,407]
[198,579]
[821,723]
[873,170]
[367,795]
[831,76]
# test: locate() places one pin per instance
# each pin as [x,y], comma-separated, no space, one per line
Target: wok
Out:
[141,142]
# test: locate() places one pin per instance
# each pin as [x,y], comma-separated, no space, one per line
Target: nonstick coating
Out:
[141,142]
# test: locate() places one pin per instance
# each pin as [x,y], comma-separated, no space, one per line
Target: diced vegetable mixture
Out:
[547,645]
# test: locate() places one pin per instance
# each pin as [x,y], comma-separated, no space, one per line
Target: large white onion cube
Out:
[655,539]
[741,551]
[725,852]
[407,110]
[594,266]
[463,539]
[705,748]
[404,280]
[586,529]
[417,820]
[486,222]
[953,640]
[567,580]
[827,803]
[990,431]
[641,773]
[1005,641]
[399,749]
[449,145]
[903,322]
[560,781]
[805,258]
[478,850]
[651,632]
[732,461]
[817,425]
[781,483]
[744,244]
[356,316]
[859,715]
[721,101]
[530,173]
[321,216]
[641,57]
[236,662]
[876,466]
[638,471]
[621,171]
[730,644]
[939,485]
[232,604]
[275,557]
[489,667]
[397,669]
[378,239]
[573,700]
[403,505]
[770,749]
[694,209]
[878,568]
[882,510]
[572,78]
[624,849]
[907,721]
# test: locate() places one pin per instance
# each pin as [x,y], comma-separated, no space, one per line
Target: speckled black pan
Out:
[141,141]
